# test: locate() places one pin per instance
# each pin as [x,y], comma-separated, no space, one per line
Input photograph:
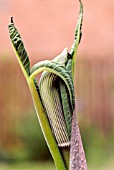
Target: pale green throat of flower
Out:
[53,96]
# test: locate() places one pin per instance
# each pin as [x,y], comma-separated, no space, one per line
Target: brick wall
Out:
[48,26]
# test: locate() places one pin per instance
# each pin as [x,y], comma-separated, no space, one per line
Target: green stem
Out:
[59,163]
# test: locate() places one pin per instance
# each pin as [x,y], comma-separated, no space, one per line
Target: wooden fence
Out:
[95,91]
[94,84]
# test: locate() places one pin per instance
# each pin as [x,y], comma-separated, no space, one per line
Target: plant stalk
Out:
[59,163]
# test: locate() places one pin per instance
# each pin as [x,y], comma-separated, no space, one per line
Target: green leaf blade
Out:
[19,49]
[78,32]
[66,105]
[58,69]
[77,39]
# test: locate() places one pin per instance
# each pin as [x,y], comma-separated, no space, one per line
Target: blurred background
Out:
[47,27]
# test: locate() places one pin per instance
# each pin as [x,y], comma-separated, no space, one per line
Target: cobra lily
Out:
[54,99]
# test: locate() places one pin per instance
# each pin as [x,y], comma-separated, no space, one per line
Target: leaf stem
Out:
[59,163]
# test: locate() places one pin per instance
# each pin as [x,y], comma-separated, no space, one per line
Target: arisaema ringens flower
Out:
[54,99]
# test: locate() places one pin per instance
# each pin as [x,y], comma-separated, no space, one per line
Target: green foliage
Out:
[27,166]
[29,132]
[97,145]
[107,165]
[4,156]
[29,143]
[32,146]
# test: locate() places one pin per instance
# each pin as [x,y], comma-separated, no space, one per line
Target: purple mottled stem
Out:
[77,155]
